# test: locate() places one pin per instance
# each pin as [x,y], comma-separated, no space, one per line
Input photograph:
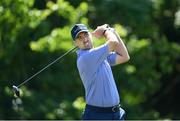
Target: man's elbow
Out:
[126,58]
[122,59]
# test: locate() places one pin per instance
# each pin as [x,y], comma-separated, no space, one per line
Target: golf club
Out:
[16,88]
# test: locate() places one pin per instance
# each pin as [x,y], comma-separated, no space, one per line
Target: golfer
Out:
[94,66]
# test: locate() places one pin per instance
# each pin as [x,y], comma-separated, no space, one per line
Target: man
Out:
[94,66]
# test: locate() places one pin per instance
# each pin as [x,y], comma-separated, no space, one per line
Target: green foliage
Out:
[120,11]
[177,19]
[150,62]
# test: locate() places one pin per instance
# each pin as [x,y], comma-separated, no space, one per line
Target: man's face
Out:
[84,40]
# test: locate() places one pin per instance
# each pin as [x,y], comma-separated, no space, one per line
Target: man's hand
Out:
[99,31]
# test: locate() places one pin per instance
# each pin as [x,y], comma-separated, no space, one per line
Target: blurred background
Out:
[35,32]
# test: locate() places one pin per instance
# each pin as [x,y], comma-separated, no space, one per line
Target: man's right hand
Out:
[99,31]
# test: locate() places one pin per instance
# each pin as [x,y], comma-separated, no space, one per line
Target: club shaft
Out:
[46,66]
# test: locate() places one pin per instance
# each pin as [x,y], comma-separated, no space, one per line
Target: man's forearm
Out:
[121,48]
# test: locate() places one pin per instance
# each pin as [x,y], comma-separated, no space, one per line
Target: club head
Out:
[16,90]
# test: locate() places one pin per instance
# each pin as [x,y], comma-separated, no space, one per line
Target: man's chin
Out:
[88,46]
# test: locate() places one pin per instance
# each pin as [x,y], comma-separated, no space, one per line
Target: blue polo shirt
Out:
[94,66]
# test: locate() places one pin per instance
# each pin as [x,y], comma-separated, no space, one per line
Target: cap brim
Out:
[80,32]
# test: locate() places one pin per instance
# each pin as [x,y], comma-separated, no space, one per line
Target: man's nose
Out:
[85,39]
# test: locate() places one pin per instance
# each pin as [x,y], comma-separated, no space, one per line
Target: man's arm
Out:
[121,50]
[114,42]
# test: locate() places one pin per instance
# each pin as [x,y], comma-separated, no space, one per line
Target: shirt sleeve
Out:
[112,58]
